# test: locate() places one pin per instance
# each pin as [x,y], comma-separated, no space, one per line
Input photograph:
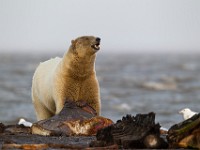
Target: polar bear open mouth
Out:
[96,46]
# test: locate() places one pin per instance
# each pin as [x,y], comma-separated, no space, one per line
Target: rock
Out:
[132,132]
[76,118]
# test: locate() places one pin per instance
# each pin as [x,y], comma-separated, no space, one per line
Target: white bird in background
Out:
[24,122]
[187,113]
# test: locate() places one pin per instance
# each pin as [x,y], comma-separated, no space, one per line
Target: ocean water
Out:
[129,84]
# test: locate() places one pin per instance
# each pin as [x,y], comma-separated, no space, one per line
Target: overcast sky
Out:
[123,25]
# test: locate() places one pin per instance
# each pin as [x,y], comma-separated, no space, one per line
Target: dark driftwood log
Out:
[186,134]
[132,132]
[52,146]
[19,137]
[30,141]
[76,118]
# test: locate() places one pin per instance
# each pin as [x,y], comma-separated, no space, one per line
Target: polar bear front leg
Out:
[59,106]
[41,111]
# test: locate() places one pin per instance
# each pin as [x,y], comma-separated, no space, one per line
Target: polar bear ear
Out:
[73,45]
[73,42]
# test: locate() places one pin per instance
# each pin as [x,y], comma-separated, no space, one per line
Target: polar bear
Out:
[71,77]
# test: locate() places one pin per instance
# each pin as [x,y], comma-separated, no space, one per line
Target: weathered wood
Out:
[186,134]
[10,140]
[24,140]
[132,132]
[37,146]
[53,146]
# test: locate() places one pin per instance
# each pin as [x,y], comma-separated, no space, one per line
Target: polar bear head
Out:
[85,45]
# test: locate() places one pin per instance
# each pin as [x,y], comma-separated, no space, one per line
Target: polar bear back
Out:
[42,82]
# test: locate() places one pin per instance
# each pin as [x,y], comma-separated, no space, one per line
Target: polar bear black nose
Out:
[98,39]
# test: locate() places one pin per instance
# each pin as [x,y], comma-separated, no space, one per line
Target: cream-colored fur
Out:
[72,77]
